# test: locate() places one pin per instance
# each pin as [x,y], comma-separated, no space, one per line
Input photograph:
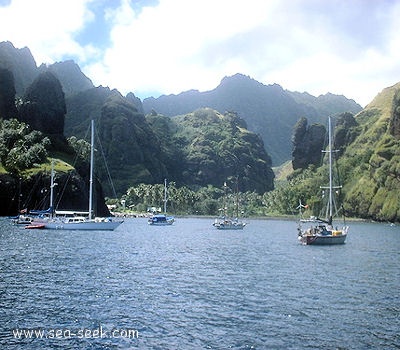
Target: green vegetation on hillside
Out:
[368,163]
[20,146]
[210,147]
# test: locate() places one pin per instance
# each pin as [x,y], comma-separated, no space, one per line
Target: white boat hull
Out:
[82,225]
[229,225]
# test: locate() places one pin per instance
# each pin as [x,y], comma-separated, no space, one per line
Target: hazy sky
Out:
[154,47]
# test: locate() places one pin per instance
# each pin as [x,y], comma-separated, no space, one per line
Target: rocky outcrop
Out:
[308,141]
[44,105]
[7,95]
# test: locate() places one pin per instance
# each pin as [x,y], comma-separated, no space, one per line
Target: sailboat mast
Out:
[165,196]
[237,197]
[225,204]
[91,171]
[52,188]
[330,170]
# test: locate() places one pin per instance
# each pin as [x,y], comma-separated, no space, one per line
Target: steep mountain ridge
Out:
[371,162]
[21,63]
[268,110]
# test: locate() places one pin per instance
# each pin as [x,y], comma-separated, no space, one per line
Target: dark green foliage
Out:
[303,185]
[135,101]
[82,107]
[368,163]
[44,105]
[20,146]
[131,148]
[307,144]
[171,145]
[7,95]
[346,131]
[186,201]
[395,117]
[217,147]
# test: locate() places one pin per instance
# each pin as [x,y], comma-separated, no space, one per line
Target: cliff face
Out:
[395,116]
[308,142]
[7,95]
[70,76]
[268,110]
[21,63]
[44,105]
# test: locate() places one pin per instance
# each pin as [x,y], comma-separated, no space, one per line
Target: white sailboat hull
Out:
[77,221]
[84,225]
[229,224]
[230,227]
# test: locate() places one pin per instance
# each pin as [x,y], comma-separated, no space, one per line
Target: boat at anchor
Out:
[324,231]
[74,220]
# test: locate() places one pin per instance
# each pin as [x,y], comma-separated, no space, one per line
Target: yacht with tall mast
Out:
[77,220]
[225,222]
[323,231]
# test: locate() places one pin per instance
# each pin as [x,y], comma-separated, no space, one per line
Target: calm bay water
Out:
[189,286]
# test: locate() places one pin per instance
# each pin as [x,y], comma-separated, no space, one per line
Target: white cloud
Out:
[47,27]
[343,47]
[162,47]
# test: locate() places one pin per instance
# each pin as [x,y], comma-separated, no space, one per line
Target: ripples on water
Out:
[190,286]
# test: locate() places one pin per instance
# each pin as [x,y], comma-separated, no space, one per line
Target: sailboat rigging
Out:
[321,231]
[225,222]
[75,220]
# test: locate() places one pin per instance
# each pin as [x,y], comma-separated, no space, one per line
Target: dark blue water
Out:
[190,286]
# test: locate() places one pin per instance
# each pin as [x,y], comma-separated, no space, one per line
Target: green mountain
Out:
[371,162]
[368,161]
[128,143]
[193,143]
[268,110]
[198,149]
[206,147]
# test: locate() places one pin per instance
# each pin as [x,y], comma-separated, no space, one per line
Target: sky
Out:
[156,47]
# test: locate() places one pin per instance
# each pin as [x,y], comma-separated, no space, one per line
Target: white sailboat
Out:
[76,220]
[323,231]
[162,219]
